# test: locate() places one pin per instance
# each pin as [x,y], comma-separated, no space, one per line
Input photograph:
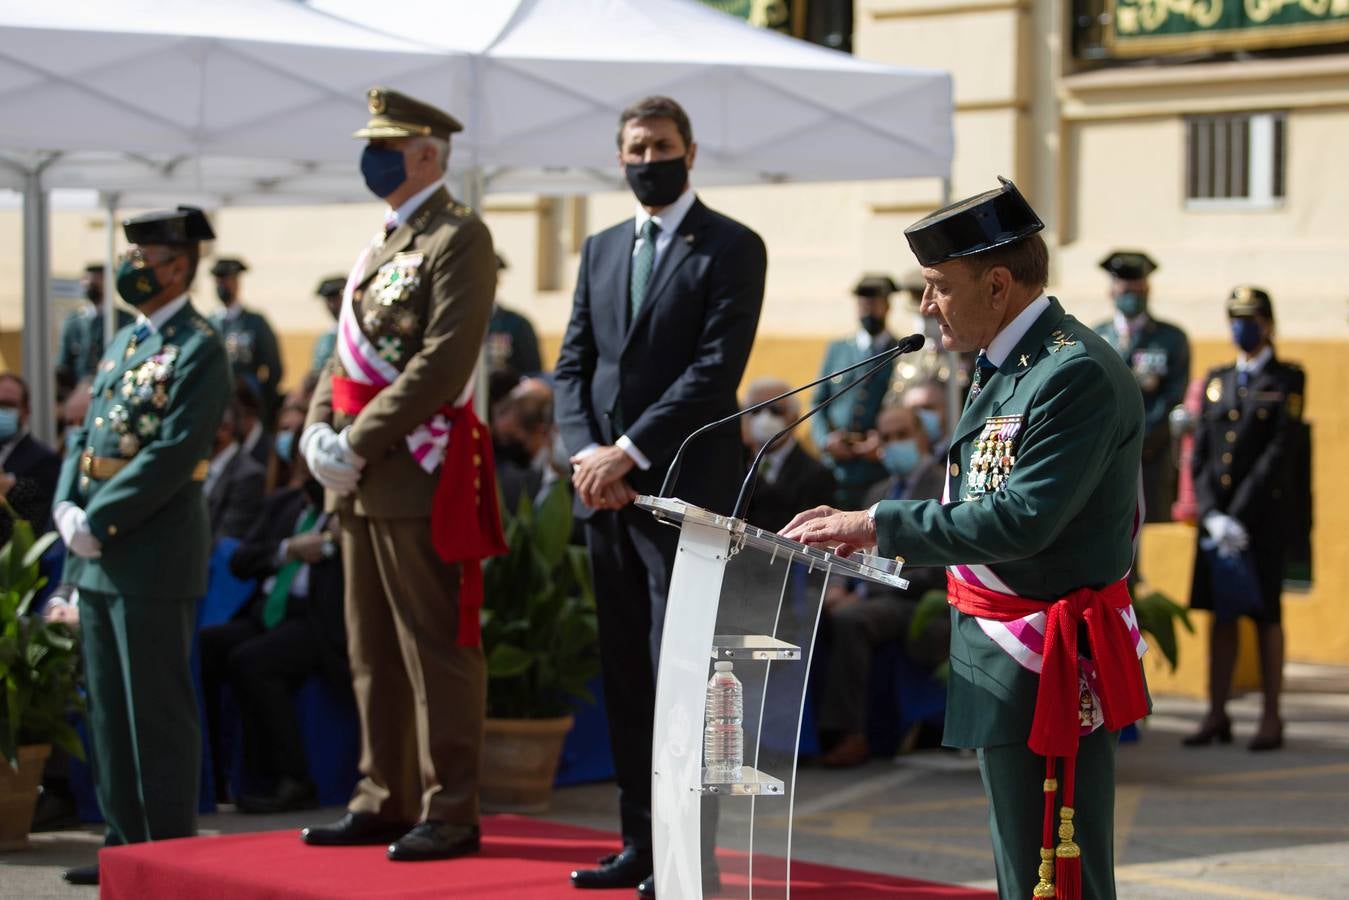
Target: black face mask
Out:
[94,293]
[314,491]
[512,452]
[226,296]
[873,325]
[657,183]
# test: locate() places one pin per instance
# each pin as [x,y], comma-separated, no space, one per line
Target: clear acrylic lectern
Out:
[751,597]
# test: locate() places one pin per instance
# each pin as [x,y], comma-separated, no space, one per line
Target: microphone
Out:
[907,345]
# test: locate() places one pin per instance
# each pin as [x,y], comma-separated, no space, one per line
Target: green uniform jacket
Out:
[82,342]
[856,411]
[512,343]
[323,348]
[1063,519]
[1159,356]
[253,354]
[158,407]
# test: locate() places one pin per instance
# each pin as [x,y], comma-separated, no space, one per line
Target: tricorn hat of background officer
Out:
[184,225]
[984,222]
[1129,264]
[333,284]
[94,268]
[875,286]
[227,265]
[395,115]
[1246,300]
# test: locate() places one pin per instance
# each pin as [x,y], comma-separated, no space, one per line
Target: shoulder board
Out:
[1065,339]
[204,327]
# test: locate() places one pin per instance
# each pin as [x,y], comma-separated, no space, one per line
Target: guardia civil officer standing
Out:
[130,509]
[81,343]
[1158,353]
[392,435]
[1243,454]
[1036,530]
[666,306]
[253,350]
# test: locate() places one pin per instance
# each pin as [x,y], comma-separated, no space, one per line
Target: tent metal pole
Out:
[953,398]
[37,367]
[110,269]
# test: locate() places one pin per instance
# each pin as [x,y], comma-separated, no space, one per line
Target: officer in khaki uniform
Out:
[254,353]
[1158,353]
[414,315]
[1036,531]
[130,509]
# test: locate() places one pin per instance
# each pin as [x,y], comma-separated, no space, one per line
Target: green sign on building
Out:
[1152,27]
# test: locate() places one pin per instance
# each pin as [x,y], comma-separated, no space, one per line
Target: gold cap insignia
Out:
[376,98]
[1242,293]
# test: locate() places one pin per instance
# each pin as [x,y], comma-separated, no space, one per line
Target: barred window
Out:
[1235,160]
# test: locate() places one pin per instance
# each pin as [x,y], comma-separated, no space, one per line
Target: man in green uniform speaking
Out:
[129,507]
[1036,527]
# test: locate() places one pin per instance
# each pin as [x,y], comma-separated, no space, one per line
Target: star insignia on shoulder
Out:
[1061,341]
[1024,360]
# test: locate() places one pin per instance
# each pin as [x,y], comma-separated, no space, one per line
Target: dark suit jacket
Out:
[256,557]
[677,366]
[802,482]
[36,469]
[236,497]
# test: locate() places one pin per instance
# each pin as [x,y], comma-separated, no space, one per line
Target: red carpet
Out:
[522,859]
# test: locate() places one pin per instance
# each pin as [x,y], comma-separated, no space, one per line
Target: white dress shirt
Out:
[409,206]
[1254,365]
[1006,340]
[157,318]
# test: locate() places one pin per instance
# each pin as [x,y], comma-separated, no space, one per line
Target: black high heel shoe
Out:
[1262,742]
[1219,730]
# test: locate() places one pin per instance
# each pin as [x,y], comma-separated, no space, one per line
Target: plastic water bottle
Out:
[723,735]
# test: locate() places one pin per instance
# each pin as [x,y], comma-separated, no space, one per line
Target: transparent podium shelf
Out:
[752,646]
[752,783]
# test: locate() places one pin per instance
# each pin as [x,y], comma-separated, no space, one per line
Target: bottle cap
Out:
[722,666]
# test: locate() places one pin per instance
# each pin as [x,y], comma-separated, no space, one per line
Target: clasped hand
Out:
[598,477]
[331,460]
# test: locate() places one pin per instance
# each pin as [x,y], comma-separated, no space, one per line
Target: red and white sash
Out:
[363,363]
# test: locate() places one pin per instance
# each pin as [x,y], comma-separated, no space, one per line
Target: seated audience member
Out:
[862,615]
[928,400]
[234,482]
[522,441]
[289,423]
[30,467]
[790,479]
[290,630]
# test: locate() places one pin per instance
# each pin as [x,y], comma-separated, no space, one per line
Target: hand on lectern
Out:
[824,526]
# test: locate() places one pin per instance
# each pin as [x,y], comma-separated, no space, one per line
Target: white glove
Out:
[1227,533]
[323,452]
[73,526]
[349,456]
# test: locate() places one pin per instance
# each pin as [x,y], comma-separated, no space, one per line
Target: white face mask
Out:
[763,425]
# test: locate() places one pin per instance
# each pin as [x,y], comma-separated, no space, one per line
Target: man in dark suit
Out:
[861,616]
[291,629]
[790,479]
[31,468]
[1243,462]
[664,315]
[234,482]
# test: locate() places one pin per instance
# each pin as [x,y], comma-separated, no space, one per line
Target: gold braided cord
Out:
[1046,886]
[1051,785]
[1067,849]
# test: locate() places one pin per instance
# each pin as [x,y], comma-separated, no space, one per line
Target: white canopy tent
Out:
[253,101]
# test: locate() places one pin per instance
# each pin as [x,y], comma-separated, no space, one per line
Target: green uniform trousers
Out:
[1014,779]
[421,697]
[143,718]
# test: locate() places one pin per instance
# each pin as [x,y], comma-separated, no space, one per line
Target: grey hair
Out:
[442,149]
[775,386]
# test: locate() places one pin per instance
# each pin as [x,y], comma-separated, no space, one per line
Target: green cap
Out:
[395,115]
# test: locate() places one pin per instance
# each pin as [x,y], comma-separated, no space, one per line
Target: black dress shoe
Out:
[626,869]
[435,840]
[290,795]
[647,889]
[1266,740]
[1212,729]
[82,875]
[352,830]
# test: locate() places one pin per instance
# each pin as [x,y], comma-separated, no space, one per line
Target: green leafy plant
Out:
[1157,616]
[539,624]
[39,671]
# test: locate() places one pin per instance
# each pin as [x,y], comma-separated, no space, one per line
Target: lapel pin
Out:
[1024,360]
[688,239]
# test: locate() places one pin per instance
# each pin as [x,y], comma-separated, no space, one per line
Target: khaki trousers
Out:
[421,697]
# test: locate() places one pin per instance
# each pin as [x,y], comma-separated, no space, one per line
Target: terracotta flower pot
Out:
[18,795]
[519,763]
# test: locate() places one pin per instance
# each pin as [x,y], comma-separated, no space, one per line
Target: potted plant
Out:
[39,675]
[540,634]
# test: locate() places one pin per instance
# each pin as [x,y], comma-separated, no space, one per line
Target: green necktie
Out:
[642,264]
[274,610]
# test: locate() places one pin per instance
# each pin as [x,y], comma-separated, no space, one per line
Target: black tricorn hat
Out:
[1129,264]
[333,284]
[872,285]
[1246,300]
[228,265]
[94,268]
[992,219]
[184,225]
